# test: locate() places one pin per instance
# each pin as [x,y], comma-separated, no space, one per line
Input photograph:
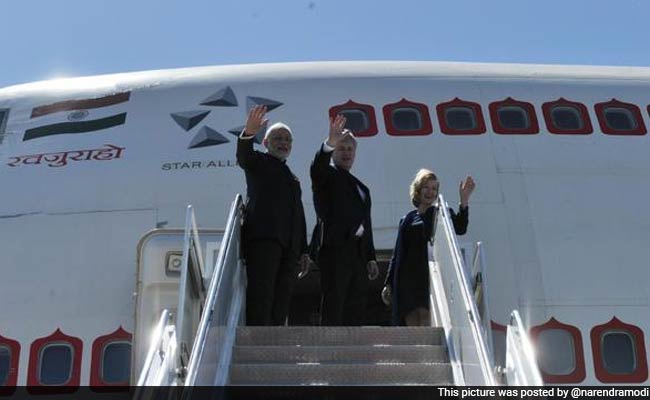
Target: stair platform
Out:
[340,356]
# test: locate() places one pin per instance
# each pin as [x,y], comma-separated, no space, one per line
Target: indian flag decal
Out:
[78,116]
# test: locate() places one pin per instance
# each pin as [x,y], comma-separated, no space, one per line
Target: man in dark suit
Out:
[274,231]
[347,254]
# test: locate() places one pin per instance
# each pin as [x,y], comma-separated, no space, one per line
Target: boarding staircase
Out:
[224,352]
[340,356]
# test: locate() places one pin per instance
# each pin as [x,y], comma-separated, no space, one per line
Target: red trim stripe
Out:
[84,104]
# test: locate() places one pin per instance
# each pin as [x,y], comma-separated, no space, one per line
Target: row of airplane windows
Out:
[56,360]
[618,352]
[508,117]
[617,348]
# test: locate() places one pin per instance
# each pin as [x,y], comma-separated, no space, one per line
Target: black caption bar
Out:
[326,392]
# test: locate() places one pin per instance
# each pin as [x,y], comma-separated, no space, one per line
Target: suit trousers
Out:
[344,284]
[271,273]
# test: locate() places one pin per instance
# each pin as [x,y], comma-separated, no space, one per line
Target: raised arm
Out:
[461,219]
[320,169]
[465,190]
[246,156]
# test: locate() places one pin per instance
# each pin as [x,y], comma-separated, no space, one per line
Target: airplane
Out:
[98,172]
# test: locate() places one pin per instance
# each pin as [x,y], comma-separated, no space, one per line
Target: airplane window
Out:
[513,117]
[566,118]
[618,349]
[556,352]
[460,118]
[56,364]
[560,356]
[620,119]
[5,364]
[407,119]
[357,120]
[618,352]
[361,118]
[116,363]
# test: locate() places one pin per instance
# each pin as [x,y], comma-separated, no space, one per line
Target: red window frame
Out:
[641,373]
[456,102]
[14,347]
[510,102]
[58,337]
[586,129]
[636,113]
[579,373]
[423,109]
[99,345]
[367,108]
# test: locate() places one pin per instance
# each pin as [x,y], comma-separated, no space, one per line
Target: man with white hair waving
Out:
[274,234]
[347,254]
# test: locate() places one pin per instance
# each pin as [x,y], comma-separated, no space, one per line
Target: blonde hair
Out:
[420,179]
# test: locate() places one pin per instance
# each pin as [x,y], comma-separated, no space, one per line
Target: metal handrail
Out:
[521,367]
[477,262]
[191,244]
[441,305]
[217,275]
[157,339]
[468,300]
[480,274]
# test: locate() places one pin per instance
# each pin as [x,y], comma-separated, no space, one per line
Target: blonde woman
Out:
[407,282]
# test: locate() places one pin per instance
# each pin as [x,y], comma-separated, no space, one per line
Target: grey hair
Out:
[276,127]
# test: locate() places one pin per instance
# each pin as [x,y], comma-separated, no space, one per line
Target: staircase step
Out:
[347,374]
[339,354]
[338,335]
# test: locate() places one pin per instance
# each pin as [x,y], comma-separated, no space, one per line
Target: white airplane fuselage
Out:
[561,216]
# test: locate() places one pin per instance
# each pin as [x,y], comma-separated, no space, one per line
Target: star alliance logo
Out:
[207,136]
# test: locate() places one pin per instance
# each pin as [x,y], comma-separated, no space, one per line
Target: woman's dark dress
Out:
[408,272]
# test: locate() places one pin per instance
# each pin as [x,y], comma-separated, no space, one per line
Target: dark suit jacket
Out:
[339,205]
[460,221]
[274,206]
